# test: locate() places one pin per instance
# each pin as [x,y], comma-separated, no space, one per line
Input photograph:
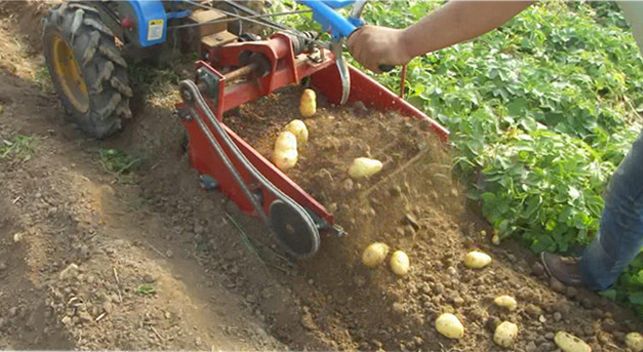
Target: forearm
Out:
[458,21]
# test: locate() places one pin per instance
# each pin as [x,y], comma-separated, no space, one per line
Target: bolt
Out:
[258,196]
[183,114]
[208,183]
[186,95]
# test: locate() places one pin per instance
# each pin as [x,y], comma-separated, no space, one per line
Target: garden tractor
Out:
[84,43]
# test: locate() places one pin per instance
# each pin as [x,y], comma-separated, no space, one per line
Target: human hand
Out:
[373,46]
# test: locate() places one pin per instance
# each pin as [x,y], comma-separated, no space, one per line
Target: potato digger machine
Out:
[84,46]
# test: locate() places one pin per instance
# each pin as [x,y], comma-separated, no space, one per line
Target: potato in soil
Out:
[337,136]
[400,264]
[505,334]
[450,326]
[476,260]
[285,153]
[299,129]
[375,254]
[308,103]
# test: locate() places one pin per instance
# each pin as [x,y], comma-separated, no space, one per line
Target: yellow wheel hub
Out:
[69,75]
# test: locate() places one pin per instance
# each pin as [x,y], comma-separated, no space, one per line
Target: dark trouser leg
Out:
[621,232]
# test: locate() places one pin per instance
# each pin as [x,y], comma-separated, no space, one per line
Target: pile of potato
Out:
[450,326]
[295,134]
[506,332]
[285,155]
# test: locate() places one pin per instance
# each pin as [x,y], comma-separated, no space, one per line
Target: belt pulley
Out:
[292,225]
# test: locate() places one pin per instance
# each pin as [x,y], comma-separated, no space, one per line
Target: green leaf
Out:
[609,293]
[517,107]
[574,193]
[636,298]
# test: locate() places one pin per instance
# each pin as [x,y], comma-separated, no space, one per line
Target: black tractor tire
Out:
[102,68]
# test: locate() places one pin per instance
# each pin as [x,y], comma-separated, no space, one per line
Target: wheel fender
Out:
[150,21]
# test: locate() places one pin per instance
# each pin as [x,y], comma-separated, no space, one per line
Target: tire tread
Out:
[103,67]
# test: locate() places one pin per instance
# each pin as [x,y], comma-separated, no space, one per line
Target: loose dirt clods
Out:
[151,261]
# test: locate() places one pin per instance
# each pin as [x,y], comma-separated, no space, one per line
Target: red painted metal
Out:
[206,161]
[285,68]
[371,93]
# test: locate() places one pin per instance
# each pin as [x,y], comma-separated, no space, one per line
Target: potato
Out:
[286,160]
[448,325]
[308,103]
[364,167]
[570,343]
[476,260]
[400,263]
[298,128]
[495,239]
[634,341]
[285,141]
[374,254]
[285,153]
[505,334]
[506,302]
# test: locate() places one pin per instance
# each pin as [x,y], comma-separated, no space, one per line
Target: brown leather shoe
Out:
[563,269]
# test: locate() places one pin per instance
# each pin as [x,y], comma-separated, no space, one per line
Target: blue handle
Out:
[330,20]
[337,4]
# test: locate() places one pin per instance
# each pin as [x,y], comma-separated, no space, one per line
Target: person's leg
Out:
[621,231]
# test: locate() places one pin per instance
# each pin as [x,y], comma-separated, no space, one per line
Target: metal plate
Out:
[295,230]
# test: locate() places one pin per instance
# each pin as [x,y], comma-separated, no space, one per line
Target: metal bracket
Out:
[184,113]
[336,48]
[208,84]
[323,225]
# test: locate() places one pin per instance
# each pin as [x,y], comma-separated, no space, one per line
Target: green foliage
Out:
[43,80]
[151,78]
[543,186]
[630,286]
[302,21]
[157,84]
[541,112]
[146,290]
[19,148]
[117,162]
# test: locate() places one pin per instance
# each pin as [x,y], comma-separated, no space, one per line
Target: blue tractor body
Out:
[151,18]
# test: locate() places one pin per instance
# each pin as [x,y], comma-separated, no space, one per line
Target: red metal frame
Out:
[371,93]
[285,68]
